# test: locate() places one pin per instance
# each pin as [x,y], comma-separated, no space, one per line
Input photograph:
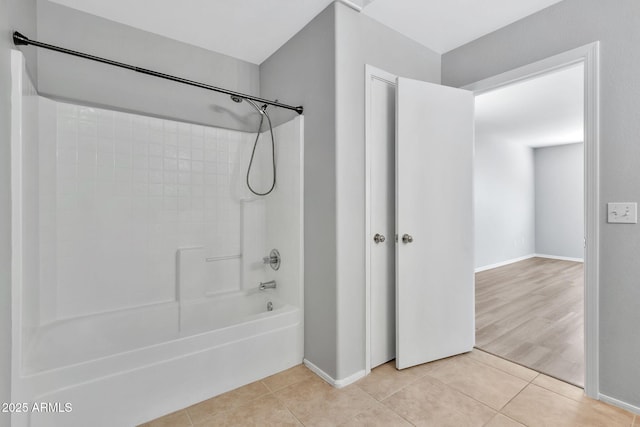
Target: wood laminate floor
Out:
[531,312]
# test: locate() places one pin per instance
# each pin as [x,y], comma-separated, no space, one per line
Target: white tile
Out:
[170,190]
[156,149]
[156,177]
[170,152]
[170,164]
[155,163]
[184,152]
[170,177]
[184,178]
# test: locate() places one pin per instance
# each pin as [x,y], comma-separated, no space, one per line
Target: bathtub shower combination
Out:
[144,276]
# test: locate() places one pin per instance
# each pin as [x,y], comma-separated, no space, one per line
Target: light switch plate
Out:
[622,213]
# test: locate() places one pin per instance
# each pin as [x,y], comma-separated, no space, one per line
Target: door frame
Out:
[371,72]
[589,55]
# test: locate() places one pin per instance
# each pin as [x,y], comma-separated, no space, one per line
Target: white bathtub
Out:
[127,367]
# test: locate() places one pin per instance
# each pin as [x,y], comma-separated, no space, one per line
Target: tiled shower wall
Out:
[120,193]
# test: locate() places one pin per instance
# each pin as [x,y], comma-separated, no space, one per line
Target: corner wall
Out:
[561,27]
[303,72]
[359,41]
[559,175]
[322,67]
[504,193]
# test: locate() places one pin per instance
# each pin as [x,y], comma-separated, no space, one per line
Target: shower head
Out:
[258,109]
[239,99]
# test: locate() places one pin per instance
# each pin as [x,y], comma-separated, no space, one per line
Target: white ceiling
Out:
[253,29]
[443,25]
[543,111]
[246,29]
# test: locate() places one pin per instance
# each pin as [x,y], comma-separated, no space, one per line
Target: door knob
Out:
[406,238]
[379,238]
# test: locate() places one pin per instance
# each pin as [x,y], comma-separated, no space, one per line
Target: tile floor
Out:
[474,389]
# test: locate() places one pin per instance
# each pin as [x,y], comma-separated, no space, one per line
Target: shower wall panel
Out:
[120,193]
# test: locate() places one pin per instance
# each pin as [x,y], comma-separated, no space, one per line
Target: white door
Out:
[434,202]
[382,189]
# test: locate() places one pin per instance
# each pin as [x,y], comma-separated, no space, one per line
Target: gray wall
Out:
[360,40]
[303,72]
[504,194]
[564,26]
[22,17]
[559,173]
[14,14]
[323,68]
[65,77]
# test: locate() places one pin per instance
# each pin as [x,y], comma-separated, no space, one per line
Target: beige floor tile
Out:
[503,365]
[503,421]
[288,377]
[264,411]
[429,402]
[385,380]
[226,401]
[316,403]
[378,416]
[575,393]
[560,387]
[482,382]
[175,419]
[536,406]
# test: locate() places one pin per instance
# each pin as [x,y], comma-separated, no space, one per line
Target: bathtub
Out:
[136,365]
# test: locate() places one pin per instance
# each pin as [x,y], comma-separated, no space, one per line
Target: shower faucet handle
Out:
[273,259]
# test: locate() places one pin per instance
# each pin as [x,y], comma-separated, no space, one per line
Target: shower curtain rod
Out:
[19,39]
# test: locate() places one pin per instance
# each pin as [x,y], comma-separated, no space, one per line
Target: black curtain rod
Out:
[19,39]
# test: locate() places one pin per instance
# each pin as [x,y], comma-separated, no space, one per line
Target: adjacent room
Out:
[529,223]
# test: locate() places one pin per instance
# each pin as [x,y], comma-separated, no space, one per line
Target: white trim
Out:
[329,379]
[590,56]
[370,72]
[561,258]
[503,263]
[531,71]
[619,403]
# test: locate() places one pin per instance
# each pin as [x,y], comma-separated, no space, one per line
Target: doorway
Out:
[589,55]
[529,223]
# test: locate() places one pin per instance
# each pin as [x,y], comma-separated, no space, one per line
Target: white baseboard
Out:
[562,258]
[620,404]
[335,383]
[503,263]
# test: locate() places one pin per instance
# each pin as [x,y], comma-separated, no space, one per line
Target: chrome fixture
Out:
[269,306]
[406,238]
[379,238]
[273,259]
[271,284]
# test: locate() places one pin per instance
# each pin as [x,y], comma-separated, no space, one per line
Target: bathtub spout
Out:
[267,285]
